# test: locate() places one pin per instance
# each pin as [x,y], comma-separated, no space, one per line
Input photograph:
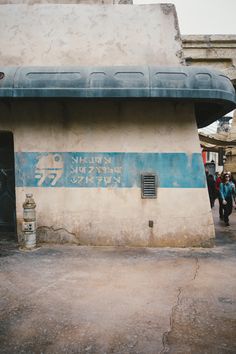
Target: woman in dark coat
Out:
[211,189]
[227,191]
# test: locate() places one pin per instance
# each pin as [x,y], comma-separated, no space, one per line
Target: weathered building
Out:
[103,115]
[217,52]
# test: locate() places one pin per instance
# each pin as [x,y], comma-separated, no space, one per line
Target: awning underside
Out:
[212,92]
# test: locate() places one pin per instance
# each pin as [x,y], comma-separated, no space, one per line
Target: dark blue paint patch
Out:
[107,170]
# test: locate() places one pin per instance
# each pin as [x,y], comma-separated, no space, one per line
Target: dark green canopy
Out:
[212,92]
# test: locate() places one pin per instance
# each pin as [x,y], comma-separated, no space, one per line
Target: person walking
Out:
[217,186]
[211,189]
[227,191]
[232,180]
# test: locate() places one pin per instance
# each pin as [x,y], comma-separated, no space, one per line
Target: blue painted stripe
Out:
[107,170]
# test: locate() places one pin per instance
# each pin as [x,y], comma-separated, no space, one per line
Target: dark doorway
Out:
[7,183]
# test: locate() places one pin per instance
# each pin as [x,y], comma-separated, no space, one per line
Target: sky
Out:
[203,16]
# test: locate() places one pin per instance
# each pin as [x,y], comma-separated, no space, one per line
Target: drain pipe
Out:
[29,223]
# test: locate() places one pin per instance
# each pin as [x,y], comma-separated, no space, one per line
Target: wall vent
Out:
[149,185]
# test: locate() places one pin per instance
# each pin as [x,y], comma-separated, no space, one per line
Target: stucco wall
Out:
[72,34]
[134,133]
[114,215]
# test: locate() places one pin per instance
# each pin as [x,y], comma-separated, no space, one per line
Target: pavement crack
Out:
[56,230]
[165,347]
[196,268]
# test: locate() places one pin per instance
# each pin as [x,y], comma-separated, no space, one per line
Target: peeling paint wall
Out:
[49,34]
[111,213]
[158,136]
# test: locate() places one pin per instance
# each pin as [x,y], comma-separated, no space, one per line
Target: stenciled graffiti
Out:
[49,167]
[94,170]
[107,169]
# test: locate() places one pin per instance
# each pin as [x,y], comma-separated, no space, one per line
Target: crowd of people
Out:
[222,187]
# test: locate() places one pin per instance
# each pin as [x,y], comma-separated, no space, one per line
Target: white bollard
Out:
[29,223]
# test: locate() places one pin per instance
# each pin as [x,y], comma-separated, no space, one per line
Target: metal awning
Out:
[216,142]
[212,92]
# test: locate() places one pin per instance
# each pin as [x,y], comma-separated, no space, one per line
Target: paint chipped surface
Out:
[92,35]
[108,170]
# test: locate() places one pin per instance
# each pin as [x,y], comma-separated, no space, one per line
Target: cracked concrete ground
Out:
[72,299]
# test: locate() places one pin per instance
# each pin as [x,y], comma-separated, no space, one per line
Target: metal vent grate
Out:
[149,185]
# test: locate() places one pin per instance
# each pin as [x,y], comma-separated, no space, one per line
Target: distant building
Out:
[216,52]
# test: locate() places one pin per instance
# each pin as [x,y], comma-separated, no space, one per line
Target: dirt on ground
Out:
[73,299]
